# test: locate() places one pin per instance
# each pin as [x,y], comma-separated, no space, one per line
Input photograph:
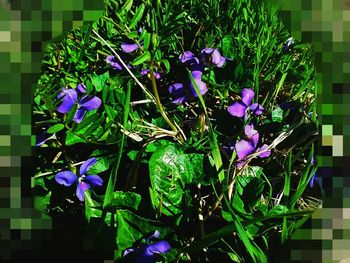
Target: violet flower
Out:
[86,103]
[129,48]
[146,252]
[179,92]
[240,108]
[67,178]
[188,58]
[197,75]
[112,60]
[247,146]
[213,56]
[146,72]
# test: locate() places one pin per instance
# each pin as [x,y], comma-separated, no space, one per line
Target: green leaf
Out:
[71,138]
[126,199]
[102,164]
[127,6]
[143,58]
[170,170]
[137,17]
[56,128]
[132,228]
[42,202]
[98,81]
[146,40]
[277,115]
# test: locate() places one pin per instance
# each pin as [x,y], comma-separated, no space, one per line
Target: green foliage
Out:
[174,167]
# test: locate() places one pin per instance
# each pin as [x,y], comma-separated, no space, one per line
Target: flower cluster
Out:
[70,96]
[67,178]
[208,57]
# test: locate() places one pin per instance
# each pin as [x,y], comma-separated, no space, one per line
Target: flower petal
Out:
[187,55]
[264,154]
[215,57]
[93,180]
[177,89]
[90,102]
[244,148]
[179,100]
[237,109]
[221,62]
[81,188]
[79,115]
[256,108]
[201,86]
[42,137]
[66,178]
[69,98]
[313,180]
[159,247]
[247,96]
[252,134]
[111,60]
[127,251]
[196,74]
[81,88]
[84,168]
[128,48]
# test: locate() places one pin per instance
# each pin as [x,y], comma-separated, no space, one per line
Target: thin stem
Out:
[160,106]
[147,93]
[49,173]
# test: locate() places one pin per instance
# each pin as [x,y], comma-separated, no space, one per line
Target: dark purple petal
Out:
[93,180]
[159,247]
[111,60]
[244,148]
[128,48]
[265,153]
[79,115]
[196,74]
[90,102]
[256,108]
[81,188]
[201,86]
[313,179]
[69,98]
[207,50]
[66,178]
[247,96]
[237,109]
[196,66]
[312,160]
[179,100]
[252,134]
[177,89]
[84,168]
[81,88]
[187,55]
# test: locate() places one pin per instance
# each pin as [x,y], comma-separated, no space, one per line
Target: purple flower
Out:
[86,103]
[111,60]
[213,56]
[239,108]
[247,146]
[67,178]
[129,48]
[197,75]
[188,58]
[179,92]
[146,72]
[81,88]
[145,253]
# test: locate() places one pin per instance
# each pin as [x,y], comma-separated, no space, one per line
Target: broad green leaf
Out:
[102,164]
[170,170]
[71,138]
[143,58]
[146,40]
[127,6]
[56,128]
[126,199]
